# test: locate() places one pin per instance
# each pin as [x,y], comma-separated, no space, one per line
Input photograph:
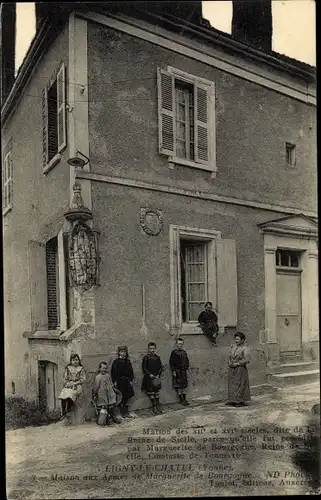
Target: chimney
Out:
[8,47]
[252,23]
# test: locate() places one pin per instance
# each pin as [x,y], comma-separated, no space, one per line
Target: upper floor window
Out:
[7,183]
[54,118]
[186,118]
[290,154]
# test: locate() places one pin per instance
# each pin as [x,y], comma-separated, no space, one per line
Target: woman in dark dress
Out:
[208,322]
[238,378]
[179,364]
[122,376]
[151,384]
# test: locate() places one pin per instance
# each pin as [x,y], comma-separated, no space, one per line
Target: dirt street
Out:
[211,449]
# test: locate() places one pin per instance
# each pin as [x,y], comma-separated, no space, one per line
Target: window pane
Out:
[294,260]
[284,258]
[194,311]
[180,131]
[180,112]
[196,272]
[196,292]
[181,149]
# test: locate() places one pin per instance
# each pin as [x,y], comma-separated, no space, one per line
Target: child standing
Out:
[122,376]
[74,377]
[208,322]
[103,393]
[152,369]
[179,364]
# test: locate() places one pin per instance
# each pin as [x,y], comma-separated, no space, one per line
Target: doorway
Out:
[288,304]
[47,385]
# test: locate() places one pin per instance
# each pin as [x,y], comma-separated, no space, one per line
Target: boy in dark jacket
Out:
[208,322]
[151,384]
[179,364]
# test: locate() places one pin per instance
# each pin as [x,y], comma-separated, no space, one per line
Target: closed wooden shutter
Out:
[38,282]
[201,123]
[166,112]
[61,108]
[10,180]
[52,267]
[44,127]
[226,282]
[62,282]
[5,182]
[52,121]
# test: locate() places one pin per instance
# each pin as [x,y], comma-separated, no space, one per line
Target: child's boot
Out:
[114,417]
[185,402]
[122,409]
[181,399]
[154,409]
[127,414]
[158,406]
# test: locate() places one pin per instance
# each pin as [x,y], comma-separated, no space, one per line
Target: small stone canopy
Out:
[299,224]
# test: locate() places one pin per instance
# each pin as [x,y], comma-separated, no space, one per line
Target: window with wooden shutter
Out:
[54,117]
[226,282]
[186,118]
[7,182]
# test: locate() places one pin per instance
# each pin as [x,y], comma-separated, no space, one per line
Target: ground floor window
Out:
[194,282]
[202,268]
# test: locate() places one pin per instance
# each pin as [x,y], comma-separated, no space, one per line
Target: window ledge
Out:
[193,329]
[174,160]
[56,159]
[43,334]
[6,210]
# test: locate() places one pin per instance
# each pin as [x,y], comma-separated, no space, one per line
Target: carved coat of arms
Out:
[151,221]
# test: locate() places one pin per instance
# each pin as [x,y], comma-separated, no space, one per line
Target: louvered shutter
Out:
[226,282]
[202,153]
[44,127]
[61,108]
[166,112]
[10,180]
[5,184]
[62,282]
[38,285]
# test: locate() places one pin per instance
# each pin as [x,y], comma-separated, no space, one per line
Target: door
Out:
[50,386]
[46,385]
[288,313]
[42,393]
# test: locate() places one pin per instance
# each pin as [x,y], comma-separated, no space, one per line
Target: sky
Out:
[293,26]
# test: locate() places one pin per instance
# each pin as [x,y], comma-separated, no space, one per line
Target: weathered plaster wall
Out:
[39,202]
[130,258]
[252,126]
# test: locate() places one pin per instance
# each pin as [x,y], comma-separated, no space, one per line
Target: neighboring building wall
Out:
[253,124]
[39,202]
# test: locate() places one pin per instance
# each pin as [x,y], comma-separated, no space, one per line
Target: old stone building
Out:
[152,163]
